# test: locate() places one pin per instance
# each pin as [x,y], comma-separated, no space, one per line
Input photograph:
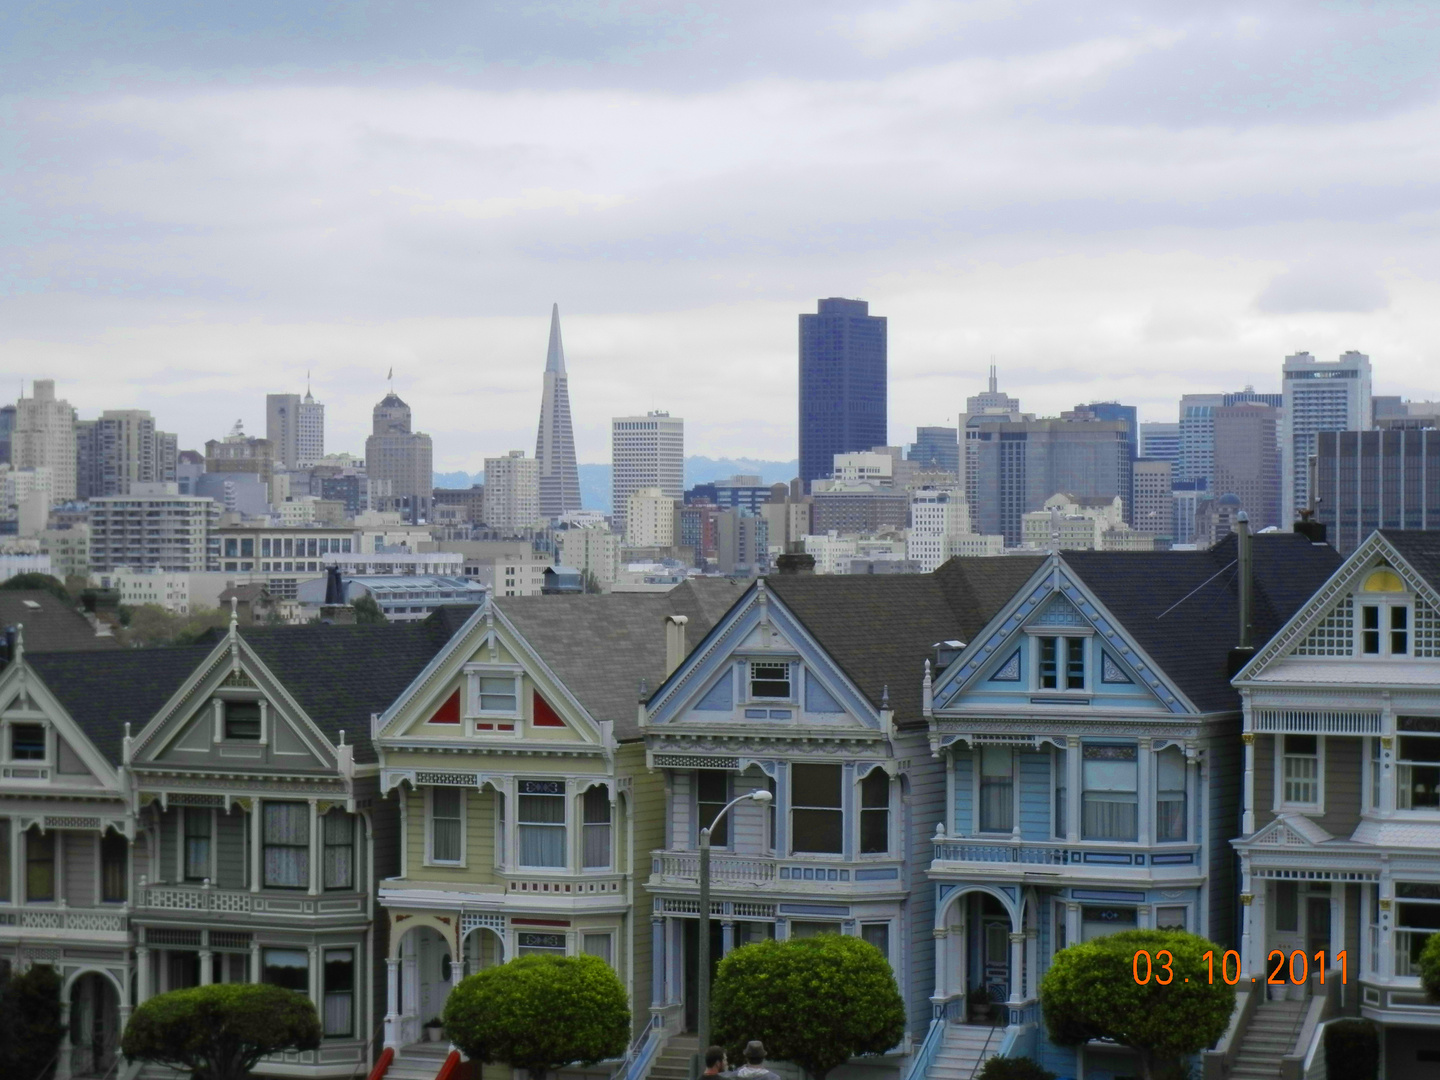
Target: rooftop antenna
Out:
[391,377]
[992,377]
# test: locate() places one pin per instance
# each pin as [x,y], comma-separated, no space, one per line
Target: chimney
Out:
[796,560]
[674,642]
[1245,649]
[1307,526]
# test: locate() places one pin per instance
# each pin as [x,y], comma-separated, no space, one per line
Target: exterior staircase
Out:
[418,1061]
[673,1061]
[1268,1037]
[965,1048]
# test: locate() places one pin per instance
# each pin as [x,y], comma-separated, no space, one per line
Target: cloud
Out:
[1325,287]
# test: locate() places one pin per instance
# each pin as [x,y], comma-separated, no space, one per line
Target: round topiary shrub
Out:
[1352,1049]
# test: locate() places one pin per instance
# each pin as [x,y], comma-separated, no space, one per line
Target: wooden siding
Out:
[1264,780]
[1343,762]
[1219,814]
[647,813]
[230,869]
[750,822]
[964,823]
[682,828]
[81,867]
[479,868]
[1036,796]
[169,828]
[923,807]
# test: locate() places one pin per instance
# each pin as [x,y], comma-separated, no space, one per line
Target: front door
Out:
[1317,925]
[997,957]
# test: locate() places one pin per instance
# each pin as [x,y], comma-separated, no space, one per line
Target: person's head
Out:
[755,1052]
[715,1058]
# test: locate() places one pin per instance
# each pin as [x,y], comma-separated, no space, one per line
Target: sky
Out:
[200,203]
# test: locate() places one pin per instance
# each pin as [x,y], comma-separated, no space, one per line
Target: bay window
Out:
[997,789]
[338,829]
[286,845]
[816,818]
[540,818]
[447,810]
[1300,769]
[1109,801]
[1170,818]
[875,813]
[596,829]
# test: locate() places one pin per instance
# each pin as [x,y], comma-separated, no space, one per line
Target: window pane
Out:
[770,680]
[542,809]
[114,850]
[875,813]
[339,1011]
[598,945]
[813,929]
[877,934]
[1075,663]
[1399,631]
[5,896]
[287,845]
[289,968]
[1170,797]
[1049,669]
[997,789]
[339,833]
[497,693]
[242,720]
[27,742]
[197,844]
[446,808]
[39,865]
[817,831]
[712,792]
[1287,906]
[596,814]
[1170,918]
[815,785]
[1098,922]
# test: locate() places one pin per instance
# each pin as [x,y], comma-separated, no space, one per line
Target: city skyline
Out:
[161,256]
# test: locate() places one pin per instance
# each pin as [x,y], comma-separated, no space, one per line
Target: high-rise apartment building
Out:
[555,440]
[1368,480]
[154,527]
[936,449]
[645,451]
[843,384]
[296,427]
[1019,465]
[1160,442]
[120,449]
[1319,396]
[1247,461]
[399,461]
[44,437]
[649,518]
[1154,510]
[1197,436]
[7,432]
[512,493]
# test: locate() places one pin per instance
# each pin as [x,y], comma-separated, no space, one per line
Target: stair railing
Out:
[981,1059]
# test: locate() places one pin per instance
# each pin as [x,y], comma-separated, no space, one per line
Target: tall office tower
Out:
[992,400]
[1160,442]
[400,460]
[119,449]
[1154,510]
[555,441]
[296,428]
[44,438]
[1319,396]
[1126,414]
[645,451]
[1247,461]
[936,449]
[1020,465]
[843,384]
[7,432]
[512,493]
[1368,480]
[1197,436]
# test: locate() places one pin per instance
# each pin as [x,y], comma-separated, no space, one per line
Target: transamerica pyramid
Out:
[555,441]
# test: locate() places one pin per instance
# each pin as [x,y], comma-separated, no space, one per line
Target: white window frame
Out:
[1385,602]
[1083,634]
[430,859]
[473,710]
[890,816]
[792,677]
[1318,806]
[977,759]
[47,737]
[601,931]
[185,812]
[1400,762]
[568,802]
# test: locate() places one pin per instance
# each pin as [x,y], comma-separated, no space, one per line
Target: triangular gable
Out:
[488,640]
[1054,599]
[25,697]
[1325,625]
[760,628]
[1290,831]
[189,732]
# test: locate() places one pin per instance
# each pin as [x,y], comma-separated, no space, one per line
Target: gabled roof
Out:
[1419,548]
[1182,607]
[50,624]
[881,629]
[604,647]
[103,691]
[340,675]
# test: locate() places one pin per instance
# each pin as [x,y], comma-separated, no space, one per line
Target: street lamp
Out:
[702,1003]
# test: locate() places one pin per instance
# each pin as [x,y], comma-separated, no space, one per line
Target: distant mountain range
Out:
[595,479]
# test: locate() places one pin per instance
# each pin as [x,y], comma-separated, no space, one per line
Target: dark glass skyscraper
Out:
[843,383]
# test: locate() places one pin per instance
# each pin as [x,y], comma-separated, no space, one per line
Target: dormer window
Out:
[1384,619]
[1062,663]
[27,742]
[769,680]
[242,721]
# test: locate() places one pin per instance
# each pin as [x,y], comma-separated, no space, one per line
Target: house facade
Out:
[1342,790]
[1091,753]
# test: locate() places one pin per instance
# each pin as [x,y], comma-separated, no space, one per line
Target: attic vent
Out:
[1335,636]
[1427,631]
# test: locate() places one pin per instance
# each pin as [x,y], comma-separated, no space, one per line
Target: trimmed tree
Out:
[44,582]
[30,1018]
[540,1013]
[1091,992]
[220,1032]
[367,611]
[816,1002]
[1430,967]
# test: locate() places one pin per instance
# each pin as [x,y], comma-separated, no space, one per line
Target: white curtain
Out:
[1110,815]
[339,850]
[445,809]
[542,830]
[996,805]
[597,829]
[287,845]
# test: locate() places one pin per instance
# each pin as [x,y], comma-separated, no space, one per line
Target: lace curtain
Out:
[287,845]
[339,835]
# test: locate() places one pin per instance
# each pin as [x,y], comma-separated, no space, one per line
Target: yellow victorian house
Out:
[527,813]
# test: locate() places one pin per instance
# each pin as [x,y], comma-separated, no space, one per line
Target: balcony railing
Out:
[79,920]
[194,898]
[724,869]
[1029,853]
[785,872]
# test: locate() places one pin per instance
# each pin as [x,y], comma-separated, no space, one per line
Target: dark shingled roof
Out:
[103,691]
[341,674]
[51,624]
[1421,549]
[881,629]
[603,647]
[1182,607]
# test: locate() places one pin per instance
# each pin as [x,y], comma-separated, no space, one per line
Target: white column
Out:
[1247,825]
[257,845]
[62,1063]
[1259,932]
[207,967]
[392,1003]
[1145,793]
[142,974]
[60,867]
[1074,797]
[254,961]
[17,882]
[1387,774]
[1072,923]
[314,885]
[942,963]
[1017,965]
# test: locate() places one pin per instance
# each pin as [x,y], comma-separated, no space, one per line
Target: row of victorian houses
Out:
[970,770]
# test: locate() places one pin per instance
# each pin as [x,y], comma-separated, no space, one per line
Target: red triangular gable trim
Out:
[542,714]
[449,713]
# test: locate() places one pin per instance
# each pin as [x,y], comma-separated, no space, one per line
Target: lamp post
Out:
[702,997]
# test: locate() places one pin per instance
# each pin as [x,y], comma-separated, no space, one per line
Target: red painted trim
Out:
[448,713]
[383,1064]
[540,922]
[451,1066]
[542,715]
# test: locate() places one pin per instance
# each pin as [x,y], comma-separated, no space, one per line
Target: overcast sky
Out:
[1110,200]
